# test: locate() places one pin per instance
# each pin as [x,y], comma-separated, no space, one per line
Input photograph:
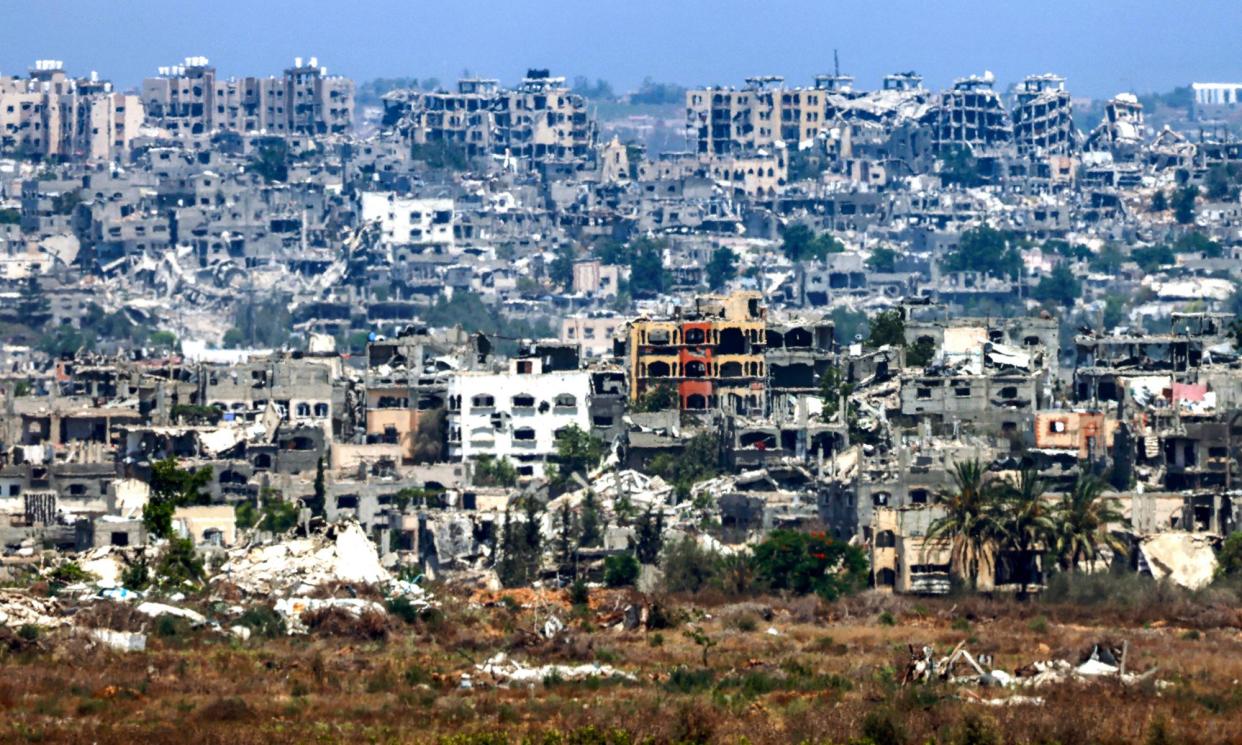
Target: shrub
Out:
[180,564]
[685,680]
[579,593]
[226,709]
[882,727]
[687,566]
[340,622]
[974,730]
[403,608]
[1230,556]
[620,570]
[137,576]
[887,619]
[69,573]
[804,562]
[263,621]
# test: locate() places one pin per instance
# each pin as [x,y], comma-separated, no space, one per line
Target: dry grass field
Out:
[704,669]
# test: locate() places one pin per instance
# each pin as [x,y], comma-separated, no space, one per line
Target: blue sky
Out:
[1101,46]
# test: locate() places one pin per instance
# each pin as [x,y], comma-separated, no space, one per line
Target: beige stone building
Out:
[758,115]
[539,121]
[594,334]
[190,100]
[50,115]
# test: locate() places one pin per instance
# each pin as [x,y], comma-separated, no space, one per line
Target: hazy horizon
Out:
[1101,48]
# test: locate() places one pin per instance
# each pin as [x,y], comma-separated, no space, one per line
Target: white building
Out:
[515,415]
[1214,99]
[410,220]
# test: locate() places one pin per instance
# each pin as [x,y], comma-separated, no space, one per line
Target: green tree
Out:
[591,529]
[561,270]
[441,155]
[984,249]
[887,328]
[1028,521]
[1195,242]
[576,452]
[1222,182]
[959,167]
[180,564]
[973,521]
[1082,520]
[164,340]
[1159,202]
[172,487]
[1151,258]
[620,570]
[1114,311]
[921,353]
[658,94]
[688,567]
[698,461]
[488,471]
[233,338]
[318,499]
[521,547]
[648,277]
[658,397]
[1229,559]
[809,562]
[271,160]
[64,341]
[882,260]
[610,251]
[1184,204]
[1060,287]
[721,268]
[33,306]
[567,538]
[1108,260]
[263,323]
[277,515]
[649,531]
[801,243]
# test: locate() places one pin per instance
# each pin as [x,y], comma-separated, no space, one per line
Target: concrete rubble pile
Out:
[295,567]
[960,667]
[502,671]
[1185,559]
[19,609]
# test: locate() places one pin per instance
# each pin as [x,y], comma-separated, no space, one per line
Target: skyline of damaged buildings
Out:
[426,310]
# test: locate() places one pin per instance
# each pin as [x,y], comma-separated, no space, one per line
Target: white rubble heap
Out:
[1101,663]
[343,553]
[502,671]
[19,609]
[284,571]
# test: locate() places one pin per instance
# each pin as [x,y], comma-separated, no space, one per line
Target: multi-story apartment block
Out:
[1043,117]
[970,114]
[50,115]
[712,354]
[410,220]
[516,415]
[539,121]
[190,99]
[761,114]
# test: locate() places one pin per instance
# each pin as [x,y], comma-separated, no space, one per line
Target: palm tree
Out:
[1028,519]
[972,523]
[1082,520]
